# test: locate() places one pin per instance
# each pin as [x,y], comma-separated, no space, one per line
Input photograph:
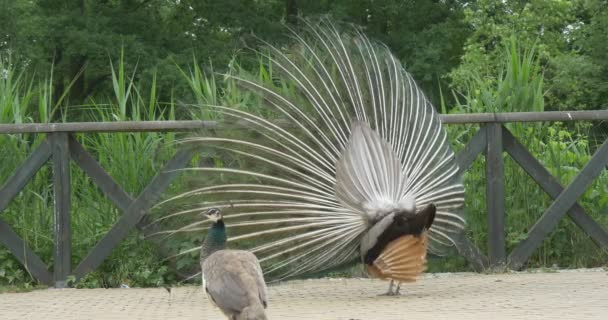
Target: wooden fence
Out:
[492,140]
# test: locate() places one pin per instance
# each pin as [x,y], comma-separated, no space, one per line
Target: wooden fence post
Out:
[495,195]
[61,213]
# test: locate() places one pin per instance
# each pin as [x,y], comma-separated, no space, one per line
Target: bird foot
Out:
[390,294]
[390,291]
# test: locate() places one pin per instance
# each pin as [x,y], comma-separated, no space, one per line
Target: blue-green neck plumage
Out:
[215,239]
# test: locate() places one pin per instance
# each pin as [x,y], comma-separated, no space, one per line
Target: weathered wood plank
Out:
[474,147]
[190,125]
[559,207]
[507,117]
[99,176]
[24,254]
[553,188]
[61,225]
[136,211]
[495,195]
[465,159]
[23,174]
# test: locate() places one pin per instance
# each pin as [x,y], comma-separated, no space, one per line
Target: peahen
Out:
[359,169]
[232,279]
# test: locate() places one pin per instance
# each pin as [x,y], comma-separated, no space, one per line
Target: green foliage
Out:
[517,86]
[569,38]
[493,22]
[579,76]
[77,36]
[11,271]
[15,92]
[135,263]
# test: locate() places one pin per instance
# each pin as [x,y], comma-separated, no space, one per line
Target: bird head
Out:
[214,214]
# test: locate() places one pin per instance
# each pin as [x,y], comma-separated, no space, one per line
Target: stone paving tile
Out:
[563,295]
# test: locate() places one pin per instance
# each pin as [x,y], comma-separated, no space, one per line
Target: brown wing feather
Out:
[403,259]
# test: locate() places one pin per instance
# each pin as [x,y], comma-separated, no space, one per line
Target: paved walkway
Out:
[577,294]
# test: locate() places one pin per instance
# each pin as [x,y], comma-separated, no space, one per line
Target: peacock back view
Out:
[358,156]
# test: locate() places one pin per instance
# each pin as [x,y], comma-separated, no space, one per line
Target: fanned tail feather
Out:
[403,259]
[281,200]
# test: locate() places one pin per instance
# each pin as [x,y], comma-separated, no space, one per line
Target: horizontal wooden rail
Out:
[595,115]
[492,141]
[192,125]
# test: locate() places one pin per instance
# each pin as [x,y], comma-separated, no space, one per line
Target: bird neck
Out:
[215,240]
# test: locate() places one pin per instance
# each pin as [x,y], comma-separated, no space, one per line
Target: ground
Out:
[575,294]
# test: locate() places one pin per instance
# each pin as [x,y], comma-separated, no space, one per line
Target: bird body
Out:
[394,246]
[398,226]
[232,279]
[362,171]
[234,283]
[398,253]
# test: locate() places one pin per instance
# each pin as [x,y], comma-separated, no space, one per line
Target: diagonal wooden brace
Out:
[465,159]
[8,236]
[474,147]
[23,174]
[24,254]
[137,209]
[100,177]
[553,188]
[562,204]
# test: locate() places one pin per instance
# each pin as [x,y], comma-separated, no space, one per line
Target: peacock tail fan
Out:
[281,198]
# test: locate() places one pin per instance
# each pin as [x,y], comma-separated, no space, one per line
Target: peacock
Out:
[232,279]
[347,161]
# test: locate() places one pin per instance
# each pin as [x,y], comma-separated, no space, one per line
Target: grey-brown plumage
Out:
[232,279]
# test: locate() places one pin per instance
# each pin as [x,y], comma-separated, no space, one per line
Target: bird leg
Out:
[397,290]
[390,291]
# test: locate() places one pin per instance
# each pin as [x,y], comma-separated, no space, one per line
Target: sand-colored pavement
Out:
[576,294]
